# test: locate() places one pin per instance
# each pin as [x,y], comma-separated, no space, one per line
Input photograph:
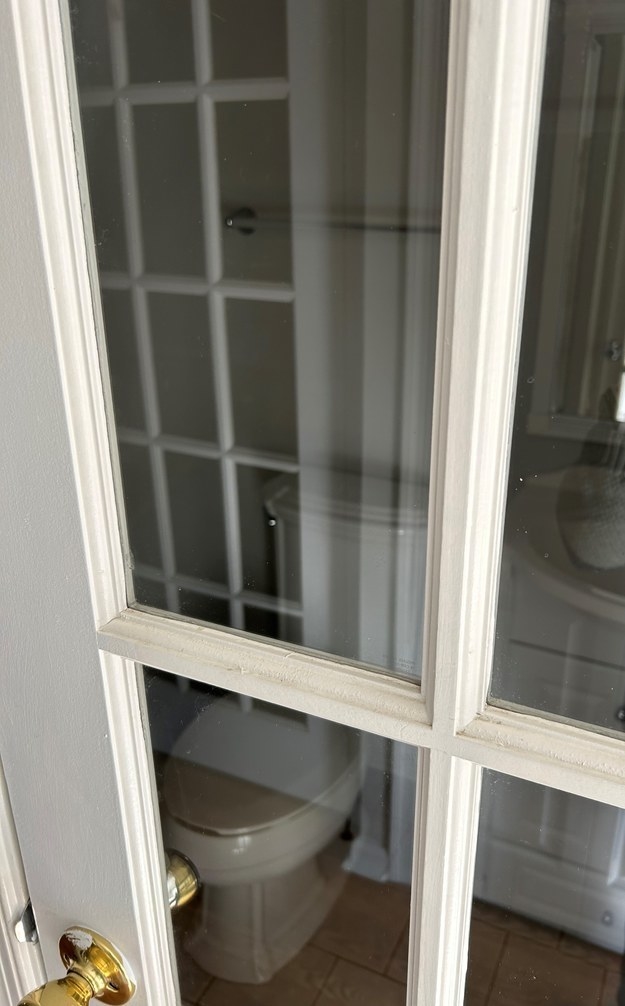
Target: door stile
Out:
[21,965]
[65,805]
[125,899]
[143,840]
[496,57]
[494,89]
[448,803]
[69,250]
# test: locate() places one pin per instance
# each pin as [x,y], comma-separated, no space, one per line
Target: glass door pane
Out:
[548,922]
[265,184]
[302,833]
[560,634]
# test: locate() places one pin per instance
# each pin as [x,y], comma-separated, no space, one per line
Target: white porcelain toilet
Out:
[253,794]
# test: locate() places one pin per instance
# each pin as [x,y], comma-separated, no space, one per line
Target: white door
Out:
[380,772]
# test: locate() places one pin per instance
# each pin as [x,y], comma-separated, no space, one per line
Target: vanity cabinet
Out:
[555,657]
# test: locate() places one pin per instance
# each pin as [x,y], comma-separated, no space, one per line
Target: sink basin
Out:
[533,537]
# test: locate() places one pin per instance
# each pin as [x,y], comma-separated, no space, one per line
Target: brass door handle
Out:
[183,881]
[95,970]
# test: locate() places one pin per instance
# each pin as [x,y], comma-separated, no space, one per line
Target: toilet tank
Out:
[357,548]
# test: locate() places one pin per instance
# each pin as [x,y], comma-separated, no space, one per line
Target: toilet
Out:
[255,795]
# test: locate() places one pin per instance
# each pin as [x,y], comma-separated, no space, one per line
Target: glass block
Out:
[193,604]
[184,366]
[92,52]
[140,504]
[258,537]
[105,190]
[159,38]
[273,624]
[196,506]
[123,359]
[253,142]
[262,375]
[237,26]
[170,195]
[152,593]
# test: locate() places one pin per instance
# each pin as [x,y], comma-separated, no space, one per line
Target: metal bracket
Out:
[26,927]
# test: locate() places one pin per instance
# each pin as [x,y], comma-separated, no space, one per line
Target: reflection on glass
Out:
[265,183]
[301,831]
[561,632]
[548,924]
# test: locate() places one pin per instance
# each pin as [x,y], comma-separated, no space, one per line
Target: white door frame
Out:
[77,768]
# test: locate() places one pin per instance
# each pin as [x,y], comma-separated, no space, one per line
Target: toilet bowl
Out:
[255,797]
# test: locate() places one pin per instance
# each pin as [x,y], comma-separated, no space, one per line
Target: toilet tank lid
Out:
[234,770]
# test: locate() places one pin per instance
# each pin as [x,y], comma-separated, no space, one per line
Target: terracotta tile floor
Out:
[516,962]
[359,955]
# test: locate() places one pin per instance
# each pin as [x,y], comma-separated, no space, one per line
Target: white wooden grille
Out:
[204,94]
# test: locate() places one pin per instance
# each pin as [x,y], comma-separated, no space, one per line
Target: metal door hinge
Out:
[26,927]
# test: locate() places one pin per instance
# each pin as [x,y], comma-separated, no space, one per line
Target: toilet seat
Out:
[217,803]
[276,811]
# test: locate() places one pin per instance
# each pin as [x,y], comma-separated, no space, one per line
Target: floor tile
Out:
[193,980]
[485,946]
[591,953]
[354,986]
[610,989]
[366,923]
[515,923]
[532,974]
[398,967]
[298,982]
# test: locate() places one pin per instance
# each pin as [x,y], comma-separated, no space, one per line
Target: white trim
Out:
[343,692]
[46,104]
[448,802]
[550,752]
[125,703]
[499,49]
[67,251]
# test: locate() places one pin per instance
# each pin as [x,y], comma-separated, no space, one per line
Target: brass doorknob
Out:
[95,970]
[183,881]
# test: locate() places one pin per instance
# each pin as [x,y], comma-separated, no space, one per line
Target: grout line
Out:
[495,975]
[396,946]
[602,989]
[325,981]
[370,970]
